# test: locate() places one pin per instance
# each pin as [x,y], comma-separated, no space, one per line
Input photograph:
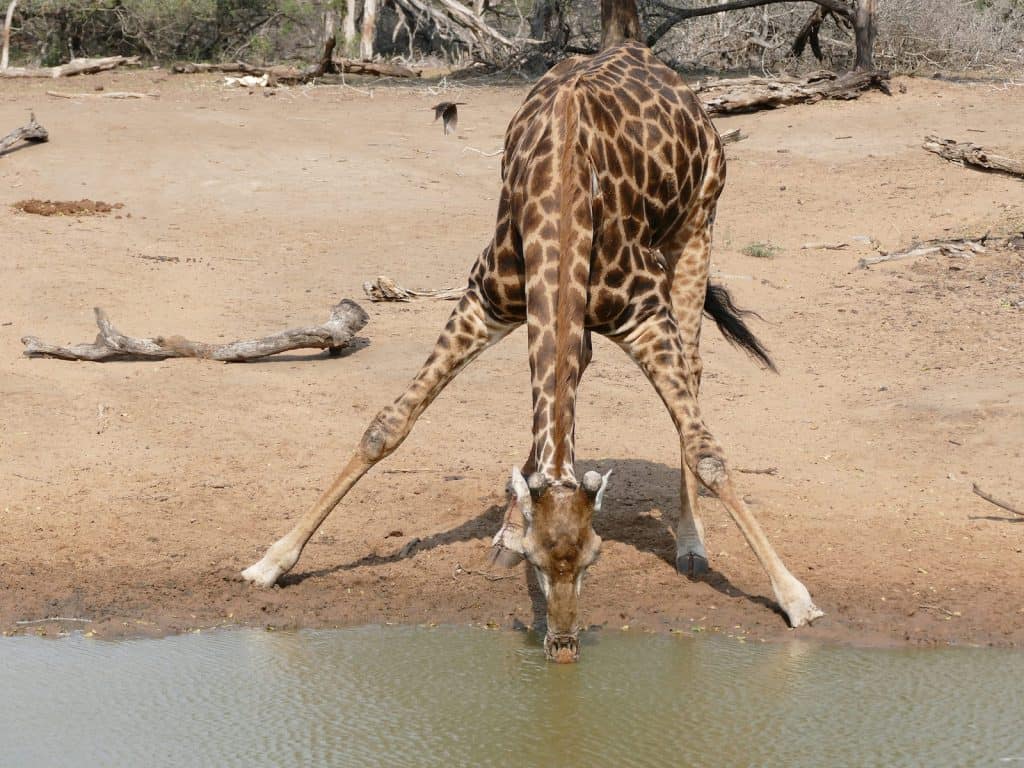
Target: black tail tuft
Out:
[719,306]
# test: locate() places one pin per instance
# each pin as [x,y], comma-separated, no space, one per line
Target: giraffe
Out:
[610,180]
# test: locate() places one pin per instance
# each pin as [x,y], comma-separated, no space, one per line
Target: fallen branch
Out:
[749,94]
[103,95]
[733,136]
[32,132]
[823,246]
[73,67]
[967,153]
[290,75]
[346,319]
[386,289]
[765,471]
[993,500]
[964,247]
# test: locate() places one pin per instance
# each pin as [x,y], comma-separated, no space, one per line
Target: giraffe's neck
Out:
[554,455]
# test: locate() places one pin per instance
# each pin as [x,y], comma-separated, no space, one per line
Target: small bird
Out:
[448,110]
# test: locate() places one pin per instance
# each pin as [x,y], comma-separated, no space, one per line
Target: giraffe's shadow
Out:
[640,511]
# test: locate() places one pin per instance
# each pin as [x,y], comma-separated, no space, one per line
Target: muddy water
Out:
[466,697]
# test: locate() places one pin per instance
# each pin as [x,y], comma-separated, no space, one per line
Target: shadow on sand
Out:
[639,489]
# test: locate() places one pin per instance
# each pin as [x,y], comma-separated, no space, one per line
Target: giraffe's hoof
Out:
[504,557]
[691,565]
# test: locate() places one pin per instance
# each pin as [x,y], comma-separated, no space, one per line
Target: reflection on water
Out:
[464,697]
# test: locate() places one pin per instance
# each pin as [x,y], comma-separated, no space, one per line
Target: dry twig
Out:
[992,500]
[386,289]
[965,247]
[346,319]
[26,622]
[103,95]
[489,576]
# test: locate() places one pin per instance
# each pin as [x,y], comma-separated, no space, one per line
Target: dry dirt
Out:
[134,492]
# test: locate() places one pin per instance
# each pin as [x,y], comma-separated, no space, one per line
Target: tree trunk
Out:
[7,34]
[349,27]
[547,23]
[620,21]
[369,30]
[864,31]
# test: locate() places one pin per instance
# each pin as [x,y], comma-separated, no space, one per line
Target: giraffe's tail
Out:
[719,306]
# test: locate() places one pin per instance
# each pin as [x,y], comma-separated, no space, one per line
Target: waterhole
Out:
[405,696]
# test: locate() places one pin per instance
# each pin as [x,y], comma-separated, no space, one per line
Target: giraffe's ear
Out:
[595,484]
[522,492]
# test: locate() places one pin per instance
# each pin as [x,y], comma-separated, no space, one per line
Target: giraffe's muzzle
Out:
[562,648]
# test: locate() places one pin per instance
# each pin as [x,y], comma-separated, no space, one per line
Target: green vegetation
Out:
[761,250]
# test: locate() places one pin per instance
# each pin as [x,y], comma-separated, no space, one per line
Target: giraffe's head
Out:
[560,544]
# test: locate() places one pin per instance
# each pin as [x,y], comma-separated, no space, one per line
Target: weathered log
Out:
[386,289]
[971,154]
[285,74]
[73,67]
[32,132]
[965,247]
[346,319]
[751,94]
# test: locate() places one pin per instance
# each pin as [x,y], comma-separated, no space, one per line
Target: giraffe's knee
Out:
[711,471]
[378,439]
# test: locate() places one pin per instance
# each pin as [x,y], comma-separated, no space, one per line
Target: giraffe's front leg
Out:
[691,556]
[469,331]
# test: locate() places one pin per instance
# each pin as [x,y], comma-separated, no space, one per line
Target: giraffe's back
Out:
[650,147]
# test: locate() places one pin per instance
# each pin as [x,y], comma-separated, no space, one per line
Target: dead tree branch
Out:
[749,94]
[965,247]
[993,500]
[287,75]
[346,319]
[33,132]
[967,153]
[103,95]
[73,67]
[386,289]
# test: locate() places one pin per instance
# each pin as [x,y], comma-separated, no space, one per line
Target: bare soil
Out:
[133,493]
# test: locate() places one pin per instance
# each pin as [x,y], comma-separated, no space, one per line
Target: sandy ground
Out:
[132,493]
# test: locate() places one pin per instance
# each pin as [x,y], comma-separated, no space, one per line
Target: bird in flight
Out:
[449,112]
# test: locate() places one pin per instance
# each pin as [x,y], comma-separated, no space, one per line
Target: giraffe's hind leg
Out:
[689,256]
[469,331]
[656,347]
